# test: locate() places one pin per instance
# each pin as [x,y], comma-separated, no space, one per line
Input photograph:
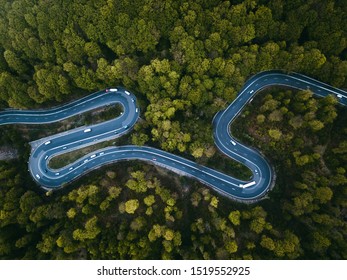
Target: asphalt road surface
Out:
[44,149]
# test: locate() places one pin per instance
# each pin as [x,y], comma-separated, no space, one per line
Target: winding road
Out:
[44,149]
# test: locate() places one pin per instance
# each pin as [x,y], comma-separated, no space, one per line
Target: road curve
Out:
[44,149]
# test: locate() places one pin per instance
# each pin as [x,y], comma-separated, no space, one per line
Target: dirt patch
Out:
[8,153]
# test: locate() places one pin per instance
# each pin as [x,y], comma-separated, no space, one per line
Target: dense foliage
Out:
[185,60]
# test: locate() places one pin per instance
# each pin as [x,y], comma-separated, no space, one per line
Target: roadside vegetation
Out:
[185,61]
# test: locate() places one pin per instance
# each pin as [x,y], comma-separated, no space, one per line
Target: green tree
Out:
[267,243]
[90,231]
[275,134]
[234,217]
[131,206]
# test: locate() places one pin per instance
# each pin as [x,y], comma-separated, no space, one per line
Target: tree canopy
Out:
[185,61]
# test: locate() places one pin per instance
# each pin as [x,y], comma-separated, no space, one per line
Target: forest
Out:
[185,60]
